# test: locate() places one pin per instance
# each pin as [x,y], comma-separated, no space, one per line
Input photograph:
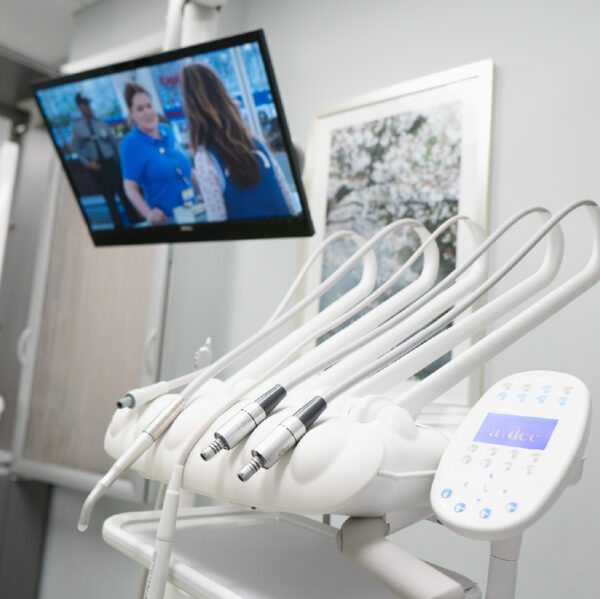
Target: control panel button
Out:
[507,466]
[541,399]
[529,470]
[513,454]
[535,457]
[486,463]
[472,448]
[446,493]
[502,395]
[521,397]
[459,507]
[562,400]
[485,513]
[492,451]
[466,459]
[511,507]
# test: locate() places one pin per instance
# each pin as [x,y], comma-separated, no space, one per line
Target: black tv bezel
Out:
[259,228]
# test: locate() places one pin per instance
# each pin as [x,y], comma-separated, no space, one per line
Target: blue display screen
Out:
[516,431]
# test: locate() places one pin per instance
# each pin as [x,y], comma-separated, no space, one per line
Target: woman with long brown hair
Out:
[237,175]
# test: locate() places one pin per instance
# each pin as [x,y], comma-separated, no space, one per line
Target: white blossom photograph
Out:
[402,166]
[420,150]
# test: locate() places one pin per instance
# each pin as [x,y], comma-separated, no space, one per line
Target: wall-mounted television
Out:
[188,145]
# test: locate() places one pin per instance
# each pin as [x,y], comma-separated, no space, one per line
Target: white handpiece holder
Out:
[443,296]
[388,334]
[416,398]
[397,373]
[362,287]
[138,397]
[348,305]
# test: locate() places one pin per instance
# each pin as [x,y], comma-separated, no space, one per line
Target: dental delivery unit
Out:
[340,428]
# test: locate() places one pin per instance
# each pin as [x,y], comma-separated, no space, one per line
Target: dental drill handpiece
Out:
[289,432]
[241,424]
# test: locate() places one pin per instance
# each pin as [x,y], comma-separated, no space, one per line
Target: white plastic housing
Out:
[353,462]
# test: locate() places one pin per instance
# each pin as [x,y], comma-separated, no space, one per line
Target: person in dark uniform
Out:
[98,150]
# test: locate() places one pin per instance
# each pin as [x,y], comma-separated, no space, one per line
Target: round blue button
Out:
[512,507]
[446,493]
[459,507]
[485,513]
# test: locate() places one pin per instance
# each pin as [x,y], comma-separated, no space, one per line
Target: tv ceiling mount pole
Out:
[187,22]
[191,22]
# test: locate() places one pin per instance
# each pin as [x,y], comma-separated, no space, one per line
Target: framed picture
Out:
[418,149]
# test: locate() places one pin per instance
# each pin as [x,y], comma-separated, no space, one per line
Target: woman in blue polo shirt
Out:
[236,173]
[157,174]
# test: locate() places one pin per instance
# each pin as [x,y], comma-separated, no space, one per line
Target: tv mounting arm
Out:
[191,21]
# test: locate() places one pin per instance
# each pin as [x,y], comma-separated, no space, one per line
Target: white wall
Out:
[544,152]
[111,23]
[38,30]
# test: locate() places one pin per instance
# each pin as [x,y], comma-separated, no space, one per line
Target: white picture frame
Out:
[453,107]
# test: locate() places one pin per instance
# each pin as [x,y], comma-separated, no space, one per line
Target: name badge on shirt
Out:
[188,195]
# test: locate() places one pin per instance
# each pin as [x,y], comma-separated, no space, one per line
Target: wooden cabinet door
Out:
[93,315]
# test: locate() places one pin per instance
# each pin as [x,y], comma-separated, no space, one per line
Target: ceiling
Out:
[34,41]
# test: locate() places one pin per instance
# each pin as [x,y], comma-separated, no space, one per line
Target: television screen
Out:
[187,145]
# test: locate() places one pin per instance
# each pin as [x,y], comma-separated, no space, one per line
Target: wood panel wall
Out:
[91,342]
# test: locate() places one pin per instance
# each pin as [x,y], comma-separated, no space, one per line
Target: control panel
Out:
[517,449]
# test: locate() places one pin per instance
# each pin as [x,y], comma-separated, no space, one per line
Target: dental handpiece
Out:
[283,438]
[287,434]
[244,422]
[135,398]
[149,435]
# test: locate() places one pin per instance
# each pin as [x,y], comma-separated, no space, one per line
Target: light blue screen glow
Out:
[516,431]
